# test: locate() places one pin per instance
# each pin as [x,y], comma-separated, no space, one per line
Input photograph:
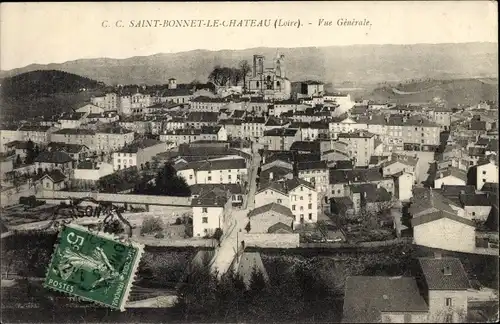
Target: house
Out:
[361,145]
[233,127]
[87,173]
[196,119]
[453,192]
[52,180]
[90,109]
[444,284]
[210,212]
[485,171]
[214,171]
[438,223]
[263,218]
[450,176]
[316,173]
[400,163]
[215,133]
[138,154]
[339,180]
[77,152]
[368,196]
[252,128]
[234,191]
[73,119]
[274,173]
[18,148]
[476,206]
[181,136]
[51,160]
[298,195]
[305,147]
[108,102]
[281,139]
[403,184]
[380,299]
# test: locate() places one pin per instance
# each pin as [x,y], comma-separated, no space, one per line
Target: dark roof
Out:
[273,121]
[354,175]
[279,226]
[343,165]
[202,116]
[72,116]
[277,171]
[343,202]
[75,131]
[184,131]
[209,200]
[141,144]
[434,272]
[213,130]
[281,132]
[376,159]
[254,120]
[371,193]
[437,215]
[306,146]
[454,172]
[56,176]
[490,187]
[238,113]
[426,200]
[34,128]
[312,165]
[272,207]
[19,145]
[286,186]
[366,297]
[53,157]
[475,200]
[477,151]
[455,190]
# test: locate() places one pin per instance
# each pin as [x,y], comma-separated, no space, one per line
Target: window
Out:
[209,178]
[338,191]
[310,216]
[301,208]
[484,180]
[301,188]
[473,213]
[204,210]
[301,198]
[209,171]
[119,160]
[229,177]
[448,302]
[484,172]
[204,220]
[293,207]
[190,177]
[310,206]
[279,201]
[130,161]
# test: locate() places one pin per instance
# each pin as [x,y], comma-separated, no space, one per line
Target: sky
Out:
[58,32]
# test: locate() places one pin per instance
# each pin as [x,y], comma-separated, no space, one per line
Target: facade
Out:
[486,172]
[181,136]
[214,172]
[110,101]
[315,173]
[131,104]
[73,120]
[281,139]
[54,160]
[264,217]
[296,194]
[361,146]
[52,180]
[401,163]
[450,176]
[441,116]
[209,213]
[90,109]
[403,184]
[269,83]
[208,104]
[137,154]
[253,128]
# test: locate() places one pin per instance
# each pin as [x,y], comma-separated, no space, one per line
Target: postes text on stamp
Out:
[93,266]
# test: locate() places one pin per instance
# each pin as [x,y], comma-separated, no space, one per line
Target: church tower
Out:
[258,65]
[279,66]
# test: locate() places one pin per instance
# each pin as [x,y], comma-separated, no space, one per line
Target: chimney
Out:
[447,271]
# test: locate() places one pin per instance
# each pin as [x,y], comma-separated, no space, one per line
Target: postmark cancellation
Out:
[93,266]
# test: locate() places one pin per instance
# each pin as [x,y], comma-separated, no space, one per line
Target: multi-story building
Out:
[213,133]
[196,119]
[181,136]
[257,106]
[131,104]
[441,116]
[397,163]
[90,109]
[315,173]
[174,123]
[281,139]
[73,120]
[361,146]
[298,195]
[173,94]
[208,104]
[341,179]
[51,160]
[308,88]
[103,117]
[79,136]
[233,127]
[110,101]
[215,172]
[485,171]
[113,138]
[36,134]
[252,128]
[137,154]
[279,107]
[210,212]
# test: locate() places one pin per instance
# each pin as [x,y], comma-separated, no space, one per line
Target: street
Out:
[225,254]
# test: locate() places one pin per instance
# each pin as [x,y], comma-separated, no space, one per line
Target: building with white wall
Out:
[209,213]
[215,172]
[138,154]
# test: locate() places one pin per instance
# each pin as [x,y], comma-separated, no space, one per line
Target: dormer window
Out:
[447,271]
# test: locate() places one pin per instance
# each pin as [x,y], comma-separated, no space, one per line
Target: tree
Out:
[30,152]
[248,227]
[218,234]
[245,69]
[114,227]
[18,160]
[168,183]
[152,225]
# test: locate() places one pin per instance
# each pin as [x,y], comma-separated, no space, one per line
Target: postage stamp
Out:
[93,266]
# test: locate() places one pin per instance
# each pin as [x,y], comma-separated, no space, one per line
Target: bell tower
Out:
[258,65]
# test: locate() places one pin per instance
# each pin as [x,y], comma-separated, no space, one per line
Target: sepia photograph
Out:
[249,162]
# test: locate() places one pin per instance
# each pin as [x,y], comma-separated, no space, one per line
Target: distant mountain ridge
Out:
[358,63]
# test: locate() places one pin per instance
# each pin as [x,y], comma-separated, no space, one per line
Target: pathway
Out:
[225,254]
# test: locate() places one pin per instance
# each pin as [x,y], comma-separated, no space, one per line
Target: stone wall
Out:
[271,240]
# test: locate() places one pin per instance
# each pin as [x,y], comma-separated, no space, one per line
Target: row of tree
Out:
[223,76]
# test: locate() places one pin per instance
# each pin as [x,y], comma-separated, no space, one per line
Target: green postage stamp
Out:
[93,266]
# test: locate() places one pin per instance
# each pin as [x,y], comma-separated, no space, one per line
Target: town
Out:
[252,163]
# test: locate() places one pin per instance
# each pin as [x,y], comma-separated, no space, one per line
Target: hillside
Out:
[44,93]
[358,63]
[45,82]
[462,91]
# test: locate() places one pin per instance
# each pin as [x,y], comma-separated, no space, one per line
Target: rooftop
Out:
[53,157]
[228,164]
[272,207]
[75,131]
[211,199]
[366,297]
[140,144]
[354,175]
[444,273]
[306,146]
[287,185]
[281,132]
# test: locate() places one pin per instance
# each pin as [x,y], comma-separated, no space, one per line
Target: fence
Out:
[271,240]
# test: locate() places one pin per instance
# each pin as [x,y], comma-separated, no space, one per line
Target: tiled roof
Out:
[475,200]
[202,116]
[437,278]
[34,128]
[254,120]
[18,145]
[75,131]
[490,187]
[306,146]
[354,175]
[279,226]
[371,192]
[357,134]
[202,189]
[314,165]
[375,159]
[273,121]
[343,165]
[213,130]
[176,92]
[437,215]
[209,200]
[228,164]
[184,131]
[209,99]
[427,200]
[286,186]
[454,172]
[141,144]
[281,132]
[72,116]
[238,113]
[68,148]
[272,207]
[53,157]
[366,297]
[56,176]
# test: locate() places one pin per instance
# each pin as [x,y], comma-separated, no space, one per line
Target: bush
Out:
[152,225]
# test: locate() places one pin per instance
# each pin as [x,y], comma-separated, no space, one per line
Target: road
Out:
[225,254]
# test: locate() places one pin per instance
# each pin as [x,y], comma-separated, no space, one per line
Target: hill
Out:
[358,63]
[45,82]
[455,92]
[44,93]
